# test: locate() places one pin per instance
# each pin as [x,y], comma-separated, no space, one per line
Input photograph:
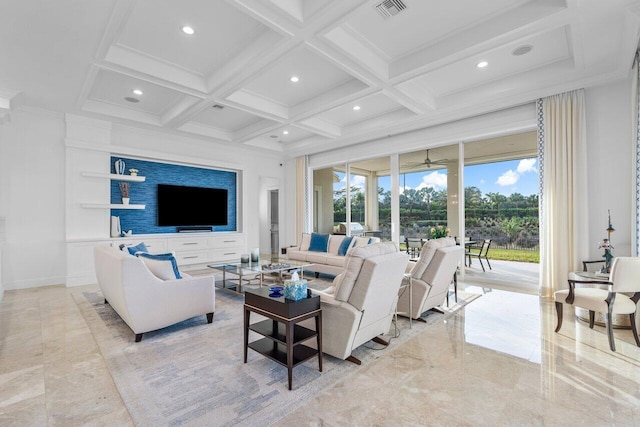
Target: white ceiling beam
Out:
[205,130]
[257,102]
[321,127]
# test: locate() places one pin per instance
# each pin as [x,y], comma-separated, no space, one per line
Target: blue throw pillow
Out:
[344,245]
[140,247]
[163,266]
[319,242]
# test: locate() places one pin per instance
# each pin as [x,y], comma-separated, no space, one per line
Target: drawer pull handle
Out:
[229,241]
[189,243]
[191,257]
[229,253]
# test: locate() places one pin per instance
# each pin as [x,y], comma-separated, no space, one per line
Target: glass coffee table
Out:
[268,270]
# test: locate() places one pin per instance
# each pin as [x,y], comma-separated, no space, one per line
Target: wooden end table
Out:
[283,337]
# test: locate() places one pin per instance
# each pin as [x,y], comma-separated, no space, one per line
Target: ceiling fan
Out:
[427,162]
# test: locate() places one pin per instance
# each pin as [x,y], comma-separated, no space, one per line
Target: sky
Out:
[513,176]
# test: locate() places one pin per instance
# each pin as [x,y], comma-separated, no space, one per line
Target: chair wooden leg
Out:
[559,313]
[380,341]
[592,318]
[481,264]
[612,343]
[634,328]
[488,263]
[354,360]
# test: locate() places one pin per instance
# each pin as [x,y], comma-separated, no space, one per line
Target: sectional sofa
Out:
[326,252]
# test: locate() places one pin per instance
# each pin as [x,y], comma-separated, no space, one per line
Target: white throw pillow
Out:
[163,266]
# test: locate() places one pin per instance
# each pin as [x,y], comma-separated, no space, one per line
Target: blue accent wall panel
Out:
[146,193]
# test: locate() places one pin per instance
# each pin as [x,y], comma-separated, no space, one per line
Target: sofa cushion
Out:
[297,255]
[304,243]
[319,242]
[335,242]
[163,266]
[133,249]
[317,257]
[335,260]
[345,245]
[361,241]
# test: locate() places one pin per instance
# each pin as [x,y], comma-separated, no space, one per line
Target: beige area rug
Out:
[192,373]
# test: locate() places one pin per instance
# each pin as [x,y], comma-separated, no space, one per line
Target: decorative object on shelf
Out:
[244,258]
[607,246]
[255,255]
[127,233]
[124,190]
[119,165]
[115,226]
[439,231]
[133,172]
[295,288]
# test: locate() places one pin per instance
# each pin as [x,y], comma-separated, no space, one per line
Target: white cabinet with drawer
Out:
[189,243]
[192,251]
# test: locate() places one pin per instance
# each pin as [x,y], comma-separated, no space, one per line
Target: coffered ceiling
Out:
[230,81]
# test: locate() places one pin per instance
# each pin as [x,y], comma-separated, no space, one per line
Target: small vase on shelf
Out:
[119,166]
[125,201]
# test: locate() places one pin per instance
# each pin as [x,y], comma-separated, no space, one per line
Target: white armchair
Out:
[431,276]
[145,302]
[624,277]
[361,303]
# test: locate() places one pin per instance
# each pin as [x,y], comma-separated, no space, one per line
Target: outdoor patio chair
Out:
[483,252]
[414,244]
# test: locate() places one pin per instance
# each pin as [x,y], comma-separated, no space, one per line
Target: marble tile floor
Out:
[495,362]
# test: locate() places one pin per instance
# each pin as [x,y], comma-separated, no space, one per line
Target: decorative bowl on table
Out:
[276,291]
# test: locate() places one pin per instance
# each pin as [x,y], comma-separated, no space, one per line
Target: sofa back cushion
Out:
[319,242]
[304,243]
[345,245]
[335,243]
[353,265]
[427,253]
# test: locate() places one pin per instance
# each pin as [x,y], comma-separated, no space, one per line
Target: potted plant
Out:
[124,190]
[133,172]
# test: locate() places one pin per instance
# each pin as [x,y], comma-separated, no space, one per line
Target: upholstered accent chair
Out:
[431,276]
[360,305]
[144,301]
[624,277]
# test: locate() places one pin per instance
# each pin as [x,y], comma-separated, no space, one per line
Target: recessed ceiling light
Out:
[188,30]
[285,132]
[295,79]
[131,99]
[137,92]
[356,107]
[482,64]
[522,50]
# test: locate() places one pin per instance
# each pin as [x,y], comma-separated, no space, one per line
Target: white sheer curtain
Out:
[564,234]
[635,120]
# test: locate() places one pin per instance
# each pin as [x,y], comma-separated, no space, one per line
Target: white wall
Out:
[610,159]
[32,188]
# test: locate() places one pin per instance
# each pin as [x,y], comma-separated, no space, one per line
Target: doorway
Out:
[274,227]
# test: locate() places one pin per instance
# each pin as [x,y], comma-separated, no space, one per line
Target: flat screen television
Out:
[180,205]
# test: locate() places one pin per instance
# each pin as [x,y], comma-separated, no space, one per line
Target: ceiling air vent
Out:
[218,106]
[389,8]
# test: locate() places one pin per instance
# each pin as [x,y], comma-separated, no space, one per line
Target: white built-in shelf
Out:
[115,176]
[110,206]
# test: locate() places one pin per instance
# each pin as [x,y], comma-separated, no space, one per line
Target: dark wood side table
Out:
[283,337]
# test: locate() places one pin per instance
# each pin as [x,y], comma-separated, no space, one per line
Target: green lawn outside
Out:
[514,255]
[507,254]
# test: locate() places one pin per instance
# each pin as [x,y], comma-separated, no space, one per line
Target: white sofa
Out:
[145,302]
[329,259]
